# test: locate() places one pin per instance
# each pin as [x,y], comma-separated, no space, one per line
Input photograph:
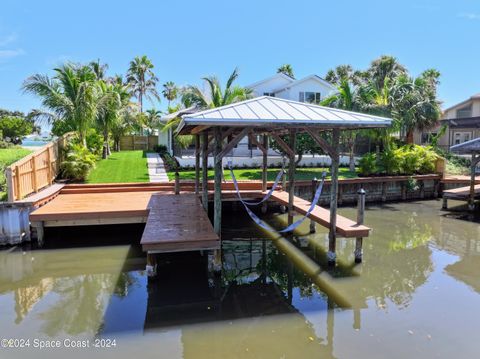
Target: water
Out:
[33,143]
[415,296]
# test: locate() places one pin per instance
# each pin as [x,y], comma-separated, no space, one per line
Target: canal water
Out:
[416,295]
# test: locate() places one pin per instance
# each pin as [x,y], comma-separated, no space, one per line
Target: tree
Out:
[170,91]
[15,128]
[99,69]
[385,67]
[116,97]
[345,73]
[142,80]
[72,96]
[215,96]
[286,69]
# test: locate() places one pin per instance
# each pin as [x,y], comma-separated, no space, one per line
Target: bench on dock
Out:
[344,226]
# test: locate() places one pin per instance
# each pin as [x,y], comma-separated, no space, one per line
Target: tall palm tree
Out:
[286,69]
[117,98]
[385,67]
[99,69]
[72,95]
[345,72]
[170,91]
[142,80]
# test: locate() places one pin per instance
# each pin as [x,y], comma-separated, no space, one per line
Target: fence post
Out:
[18,194]
[49,168]
[360,219]
[177,182]
[10,188]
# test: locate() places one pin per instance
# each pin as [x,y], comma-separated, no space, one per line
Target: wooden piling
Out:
[177,182]
[314,189]
[265,170]
[151,267]
[360,219]
[291,176]
[217,198]
[197,164]
[205,170]
[332,235]
[471,199]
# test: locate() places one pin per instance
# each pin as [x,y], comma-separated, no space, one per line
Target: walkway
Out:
[156,168]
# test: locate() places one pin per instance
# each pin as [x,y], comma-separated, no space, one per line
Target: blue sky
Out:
[190,39]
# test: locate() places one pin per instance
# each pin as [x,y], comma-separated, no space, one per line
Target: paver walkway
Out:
[156,168]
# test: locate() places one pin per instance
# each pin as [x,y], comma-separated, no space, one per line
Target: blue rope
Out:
[262,224]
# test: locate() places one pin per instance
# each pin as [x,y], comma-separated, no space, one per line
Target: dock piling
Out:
[332,234]
[177,182]
[314,189]
[360,219]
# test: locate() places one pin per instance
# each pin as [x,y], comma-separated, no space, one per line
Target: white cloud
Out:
[7,54]
[4,41]
[469,15]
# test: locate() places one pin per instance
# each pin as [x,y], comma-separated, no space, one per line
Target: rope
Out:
[262,224]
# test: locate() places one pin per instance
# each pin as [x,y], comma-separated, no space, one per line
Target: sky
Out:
[188,39]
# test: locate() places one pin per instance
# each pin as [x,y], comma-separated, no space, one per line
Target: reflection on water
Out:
[414,296]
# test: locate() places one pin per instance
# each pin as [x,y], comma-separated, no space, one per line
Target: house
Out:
[462,121]
[311,89]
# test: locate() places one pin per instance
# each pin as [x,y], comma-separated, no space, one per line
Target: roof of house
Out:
[273,112]
[464,102]
[179,113]
[310,77]
[278,74]
[467,148]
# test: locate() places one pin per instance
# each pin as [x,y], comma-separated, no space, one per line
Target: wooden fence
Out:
[133,142]
[35,171]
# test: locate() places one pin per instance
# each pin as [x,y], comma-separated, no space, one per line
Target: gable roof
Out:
[464,102]
[274,112]
[310,77]
[278,74]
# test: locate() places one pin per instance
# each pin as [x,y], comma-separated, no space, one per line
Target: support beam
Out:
[332,235]
[471,199]
[264,168]
[291,176]
[283,145]
[205,170]
[262,147]
[198,129]
[358,254]
[197,164]
[230,145]
[225,134]
[329,149]
[217,198]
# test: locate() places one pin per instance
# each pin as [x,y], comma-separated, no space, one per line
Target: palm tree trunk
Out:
[351,159]
[105,145]
[409,138]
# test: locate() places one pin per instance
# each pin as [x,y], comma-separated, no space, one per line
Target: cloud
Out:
[7,54]
[469,15]
[4,41]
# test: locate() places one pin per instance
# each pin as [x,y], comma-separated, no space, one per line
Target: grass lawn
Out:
[123,166]
[8,156]
[256,174]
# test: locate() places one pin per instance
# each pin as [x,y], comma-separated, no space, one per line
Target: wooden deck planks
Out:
[461,193]
[177,223]
[345,227]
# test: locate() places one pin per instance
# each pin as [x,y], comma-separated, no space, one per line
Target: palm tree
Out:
[215,96]
[72,95]
[117,98]
[142,80]
[99,69]
[170,91]
[385,67]
[286,69]
[345,72]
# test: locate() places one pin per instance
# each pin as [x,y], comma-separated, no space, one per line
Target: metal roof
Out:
[469,147]
[270,112]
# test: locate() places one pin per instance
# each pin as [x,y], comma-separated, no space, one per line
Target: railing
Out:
[35,171]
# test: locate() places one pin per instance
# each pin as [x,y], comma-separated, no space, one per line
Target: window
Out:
[310,97]
[461,137]
[271,94]
[464,112]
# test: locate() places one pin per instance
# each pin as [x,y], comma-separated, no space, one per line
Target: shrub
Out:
[368,164]
[78,163]
[5,144]
[160,149]
[170,162]
[388,162]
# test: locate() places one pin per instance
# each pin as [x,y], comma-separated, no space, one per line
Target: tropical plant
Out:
[142,80]
[385,67]
[78,163]
[286,69]
[72,96]
[343,73]
[170,91]
[99,69]
[368,164]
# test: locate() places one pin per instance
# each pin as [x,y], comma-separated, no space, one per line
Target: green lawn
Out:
[8,156]
[124,166]
[256,174]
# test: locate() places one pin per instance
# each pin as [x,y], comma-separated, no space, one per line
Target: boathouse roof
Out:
[468,147]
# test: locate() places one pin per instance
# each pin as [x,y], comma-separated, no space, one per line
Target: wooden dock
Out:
[344,226]
[461,193]
[177,223]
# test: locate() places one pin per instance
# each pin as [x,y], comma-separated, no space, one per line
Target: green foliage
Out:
[160,149]
[367,165]
[286,69]
[170,162]
[142,80]
[78,163]
[121,167]
[405,160]
[15,128]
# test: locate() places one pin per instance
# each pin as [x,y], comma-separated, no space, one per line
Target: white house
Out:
[311,89]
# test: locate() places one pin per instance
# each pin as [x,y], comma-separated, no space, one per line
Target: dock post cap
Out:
[361,192]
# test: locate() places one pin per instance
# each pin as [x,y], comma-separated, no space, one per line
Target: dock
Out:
[345,227]
[461,193]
